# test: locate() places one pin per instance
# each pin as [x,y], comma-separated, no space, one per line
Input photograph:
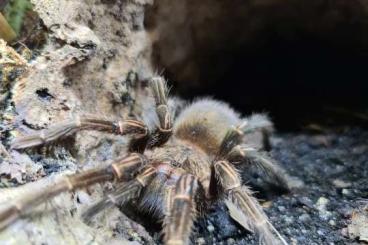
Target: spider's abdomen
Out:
[205,123]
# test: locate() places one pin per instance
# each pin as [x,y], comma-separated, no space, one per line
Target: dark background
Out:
[304,62]
[299,82]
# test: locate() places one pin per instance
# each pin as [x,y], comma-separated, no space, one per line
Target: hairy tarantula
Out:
[178,169]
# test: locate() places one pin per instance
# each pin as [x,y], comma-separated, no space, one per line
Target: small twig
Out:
[6,32]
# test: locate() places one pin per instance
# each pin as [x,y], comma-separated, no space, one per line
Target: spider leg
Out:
[235,135]
[232,138]
[180,211]
[253,217]
[263,163]
[160,93]
[252,125]
[120,170]
[257,122]
[123,193]
[258,126]
[67,128]
[234,151]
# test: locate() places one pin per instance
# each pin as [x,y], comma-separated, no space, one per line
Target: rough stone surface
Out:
[94,54]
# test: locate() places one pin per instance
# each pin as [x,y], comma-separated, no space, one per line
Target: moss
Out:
[15,12]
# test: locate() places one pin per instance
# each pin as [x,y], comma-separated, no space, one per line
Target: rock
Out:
[346,192]
[340,183]
[321,204]
[304,217]
[230,241]
[267,204]
[200,241]
[210,228]
[332,222]
[281,208]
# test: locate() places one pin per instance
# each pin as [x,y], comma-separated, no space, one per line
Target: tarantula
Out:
[178,169]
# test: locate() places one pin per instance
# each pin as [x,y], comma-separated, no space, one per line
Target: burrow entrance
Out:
[303,62]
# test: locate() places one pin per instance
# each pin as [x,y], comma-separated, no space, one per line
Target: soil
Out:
[334,169]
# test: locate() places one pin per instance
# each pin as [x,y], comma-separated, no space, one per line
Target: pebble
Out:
[332,222]
[341,184]
[321,203]
[210,228]
[304,217]
[320,232]
[294,241]
[345,192]
[200,241]
[267,204]
[321,207]
[281,208]
[230,241]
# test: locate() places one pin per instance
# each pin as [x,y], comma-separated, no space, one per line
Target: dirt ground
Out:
[334,169]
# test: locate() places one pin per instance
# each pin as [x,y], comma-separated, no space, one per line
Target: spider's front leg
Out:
[253,216]
[67,128]
[233,150]
[180,211]
[266,165]
[120,170]
[164,130]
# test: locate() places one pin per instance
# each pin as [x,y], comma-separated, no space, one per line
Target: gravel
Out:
[334,169]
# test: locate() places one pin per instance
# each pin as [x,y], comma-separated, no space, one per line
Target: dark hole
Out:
[300,83]
[44,94]
[304,63]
